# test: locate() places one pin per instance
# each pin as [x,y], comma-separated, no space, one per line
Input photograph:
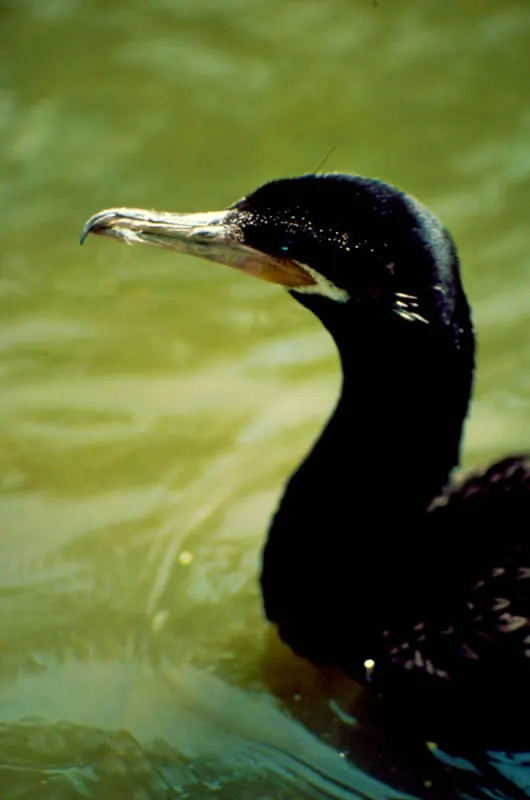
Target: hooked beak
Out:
[214,235]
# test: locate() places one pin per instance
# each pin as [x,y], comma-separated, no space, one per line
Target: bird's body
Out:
[373,558]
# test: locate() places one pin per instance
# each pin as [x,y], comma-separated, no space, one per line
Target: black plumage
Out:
[374,562]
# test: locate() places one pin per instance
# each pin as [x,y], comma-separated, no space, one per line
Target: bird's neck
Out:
[396,430]
[394,437]
[344,551]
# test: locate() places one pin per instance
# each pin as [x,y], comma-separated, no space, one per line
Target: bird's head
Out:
[332,240]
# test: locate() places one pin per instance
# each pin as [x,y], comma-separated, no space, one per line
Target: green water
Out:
[152,405]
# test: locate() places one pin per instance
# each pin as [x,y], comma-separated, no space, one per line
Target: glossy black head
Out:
[363,241]
[354,250]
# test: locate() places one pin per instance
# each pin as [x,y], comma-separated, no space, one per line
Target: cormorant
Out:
[374,561]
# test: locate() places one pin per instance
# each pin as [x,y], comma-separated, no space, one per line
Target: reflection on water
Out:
[152,405]
[202,734]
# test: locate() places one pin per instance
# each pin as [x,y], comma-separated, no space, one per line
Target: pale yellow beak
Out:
[213,235]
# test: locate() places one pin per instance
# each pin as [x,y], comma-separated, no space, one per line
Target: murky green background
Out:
[152,405]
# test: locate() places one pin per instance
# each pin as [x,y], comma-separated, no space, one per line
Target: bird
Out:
[377,560]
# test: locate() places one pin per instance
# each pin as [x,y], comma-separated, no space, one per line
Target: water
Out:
[152,405]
